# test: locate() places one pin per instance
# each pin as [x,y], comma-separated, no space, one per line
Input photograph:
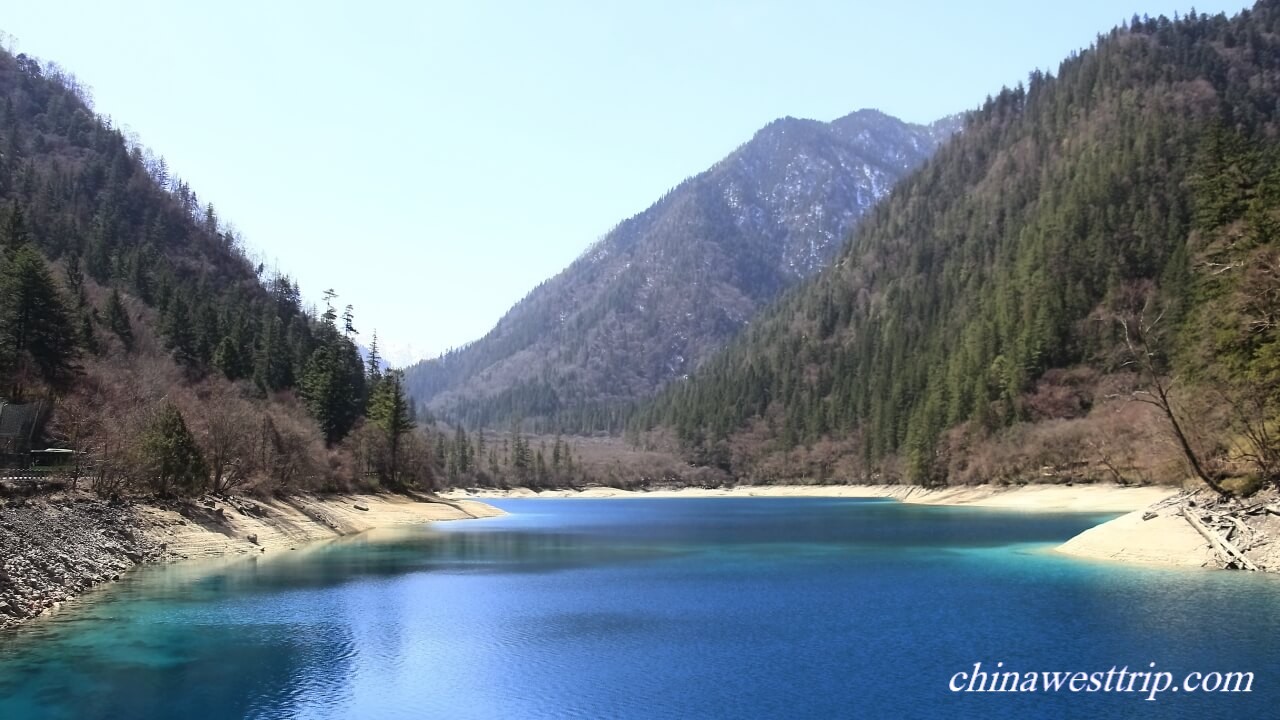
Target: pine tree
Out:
[35,326]
[333,386]
[88,336]
[374,362]
[227,359]
[272,366]
[14,233]
[389,412]
[179,337]
[75,279]
[172,455]
[118,320]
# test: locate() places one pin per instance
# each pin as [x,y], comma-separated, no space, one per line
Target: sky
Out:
[433,162]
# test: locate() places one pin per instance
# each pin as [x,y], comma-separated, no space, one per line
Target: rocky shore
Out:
[53,548]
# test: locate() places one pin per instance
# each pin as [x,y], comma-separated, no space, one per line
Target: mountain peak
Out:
[667,288]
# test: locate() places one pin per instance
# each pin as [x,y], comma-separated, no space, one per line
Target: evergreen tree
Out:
[389,412]
[75,279]
[374,362]
[36,329]
[272,367]
[179,337]
[333,387]
[88,336]
[118,320]
[14,232]
[228,360]
[172,455]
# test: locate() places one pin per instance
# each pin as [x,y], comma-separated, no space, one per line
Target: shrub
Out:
[171,456]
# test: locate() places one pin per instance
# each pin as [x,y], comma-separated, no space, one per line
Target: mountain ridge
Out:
[660,292]
[1087,237]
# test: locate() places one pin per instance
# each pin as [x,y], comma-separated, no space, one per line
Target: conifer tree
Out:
[333,383]
[227,359]
[178,335]
[389,412]
[172,455]
[374,362]
[36,329]
[88,336]
[118,320]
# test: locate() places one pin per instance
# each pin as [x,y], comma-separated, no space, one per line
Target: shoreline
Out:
[57,548]
[1150,531]
[54,549]
[217,527]
[1037,497]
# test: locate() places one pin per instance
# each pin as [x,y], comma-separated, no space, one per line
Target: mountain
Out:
[668,287]
[1099,236]
[134,329]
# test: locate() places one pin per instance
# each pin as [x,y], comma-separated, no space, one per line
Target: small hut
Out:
[17,426]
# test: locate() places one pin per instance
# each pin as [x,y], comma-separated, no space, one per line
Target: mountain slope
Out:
[979,305]
[126,307]
[666,288]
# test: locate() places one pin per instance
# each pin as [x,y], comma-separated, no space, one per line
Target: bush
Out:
[171,456]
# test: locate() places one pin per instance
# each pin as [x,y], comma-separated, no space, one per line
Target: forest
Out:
[1082,284]
[136,331]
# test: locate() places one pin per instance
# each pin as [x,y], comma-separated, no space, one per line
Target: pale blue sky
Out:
[434,161]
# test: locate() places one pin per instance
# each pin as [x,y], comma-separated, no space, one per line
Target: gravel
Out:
[52,549]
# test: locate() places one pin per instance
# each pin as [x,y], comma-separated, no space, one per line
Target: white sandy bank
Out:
[221,527]
[1083,498]
[1166,539]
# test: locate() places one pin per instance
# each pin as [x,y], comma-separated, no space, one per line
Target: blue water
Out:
[639,608]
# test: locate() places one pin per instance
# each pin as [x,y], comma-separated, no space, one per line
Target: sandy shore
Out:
[54,548]
[1165,539]
[1035,497]
[222,527]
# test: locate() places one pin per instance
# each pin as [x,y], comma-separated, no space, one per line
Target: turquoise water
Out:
[638,608]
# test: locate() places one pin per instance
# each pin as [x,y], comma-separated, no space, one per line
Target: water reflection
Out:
[639,609]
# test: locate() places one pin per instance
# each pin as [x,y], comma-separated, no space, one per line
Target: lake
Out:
[651,608]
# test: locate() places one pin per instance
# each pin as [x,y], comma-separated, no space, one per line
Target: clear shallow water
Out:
[689,608]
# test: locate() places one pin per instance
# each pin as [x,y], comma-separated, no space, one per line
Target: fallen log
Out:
[1228,551]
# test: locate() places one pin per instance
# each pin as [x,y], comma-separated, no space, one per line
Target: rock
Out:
[253,539]
[362,507]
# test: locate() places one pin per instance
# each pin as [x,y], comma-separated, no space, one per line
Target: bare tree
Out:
[1142,339]
[227,437]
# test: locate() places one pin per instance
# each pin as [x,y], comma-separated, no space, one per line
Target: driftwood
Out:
[1244,529]
[1228,551]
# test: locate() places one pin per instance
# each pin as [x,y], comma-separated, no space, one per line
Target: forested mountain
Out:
[1104,234]
[133,324]
[666,288]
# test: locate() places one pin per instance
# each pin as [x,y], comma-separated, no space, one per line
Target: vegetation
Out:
[172,362]
[37,336]
[974,313]
[171,456]
[667,288]
[1097,236]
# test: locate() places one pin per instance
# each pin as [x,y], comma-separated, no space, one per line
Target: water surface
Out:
[648,608]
